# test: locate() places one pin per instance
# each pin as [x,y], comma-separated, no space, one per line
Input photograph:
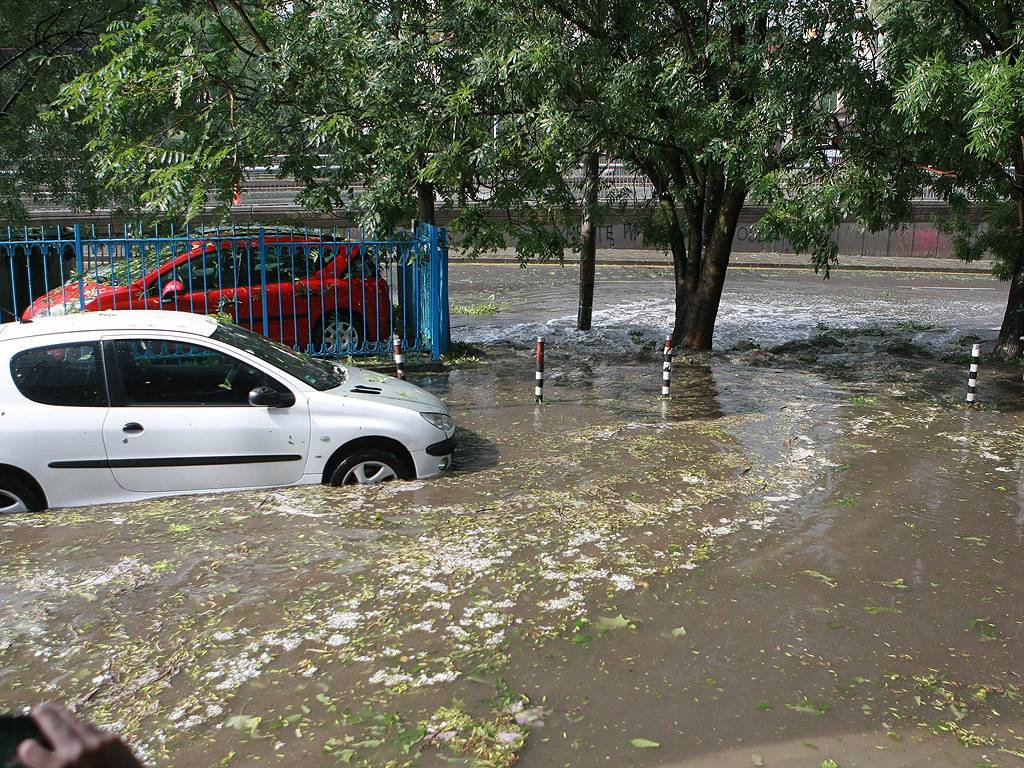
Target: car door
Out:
[181,421]
[297,302]
[215,279]
[273,282]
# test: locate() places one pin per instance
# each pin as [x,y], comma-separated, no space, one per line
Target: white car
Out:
[115,406]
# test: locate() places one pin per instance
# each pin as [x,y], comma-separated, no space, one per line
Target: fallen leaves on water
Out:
[616,622]
[820,576]
[809,707]
[642,743]
[896,584]
[987,629]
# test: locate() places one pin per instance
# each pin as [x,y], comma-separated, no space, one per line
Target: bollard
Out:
[972,379]
[666,367]
[399,358]
[538,390]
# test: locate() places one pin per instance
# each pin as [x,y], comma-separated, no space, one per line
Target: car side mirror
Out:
[170,291]
[265,397]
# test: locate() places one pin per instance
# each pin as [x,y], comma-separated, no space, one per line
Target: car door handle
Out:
[133,428]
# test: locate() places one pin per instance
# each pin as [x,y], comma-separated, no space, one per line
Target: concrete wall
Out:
[915,238]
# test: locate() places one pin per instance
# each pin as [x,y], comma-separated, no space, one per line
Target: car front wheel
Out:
[367,468]
[16,496]
[339,331]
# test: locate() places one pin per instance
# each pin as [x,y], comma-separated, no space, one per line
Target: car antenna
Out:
[18,318]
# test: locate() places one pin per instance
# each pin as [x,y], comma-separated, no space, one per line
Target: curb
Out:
[864,264]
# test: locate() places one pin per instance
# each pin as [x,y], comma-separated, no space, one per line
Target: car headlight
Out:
[440,420]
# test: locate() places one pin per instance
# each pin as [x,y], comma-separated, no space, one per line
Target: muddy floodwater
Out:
[810,554]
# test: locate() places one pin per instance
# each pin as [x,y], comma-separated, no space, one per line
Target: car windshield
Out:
[117,271]
[319,374]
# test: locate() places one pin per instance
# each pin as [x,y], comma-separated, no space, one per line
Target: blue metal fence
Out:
[326,292]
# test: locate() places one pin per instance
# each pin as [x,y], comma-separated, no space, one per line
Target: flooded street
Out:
[809,555]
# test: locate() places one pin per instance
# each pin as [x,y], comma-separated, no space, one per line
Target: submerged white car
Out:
[116,406]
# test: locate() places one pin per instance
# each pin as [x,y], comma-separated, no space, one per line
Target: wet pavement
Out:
[809,553]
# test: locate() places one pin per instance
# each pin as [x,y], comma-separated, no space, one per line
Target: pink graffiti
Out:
[923,241]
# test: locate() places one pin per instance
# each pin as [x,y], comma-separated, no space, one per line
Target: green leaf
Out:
[678,631]
[809,707]
[820,576]
[642,743]
[987,629]
[614,623]
[243,722]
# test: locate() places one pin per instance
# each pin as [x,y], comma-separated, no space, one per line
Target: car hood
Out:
[378,387]
[69,294]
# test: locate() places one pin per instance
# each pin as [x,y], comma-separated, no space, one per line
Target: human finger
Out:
[58,724]
[32,754]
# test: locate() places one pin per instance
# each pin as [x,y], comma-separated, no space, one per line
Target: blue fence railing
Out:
[326,292]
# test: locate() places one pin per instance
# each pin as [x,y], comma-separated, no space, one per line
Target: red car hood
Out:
[66,297]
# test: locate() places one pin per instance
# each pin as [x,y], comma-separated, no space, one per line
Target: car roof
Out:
[126,320]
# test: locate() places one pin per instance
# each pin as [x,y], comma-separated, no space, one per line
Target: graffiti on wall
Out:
[923,240]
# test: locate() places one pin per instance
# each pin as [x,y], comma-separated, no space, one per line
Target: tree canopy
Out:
[958,86]
[46,44]
[814,109]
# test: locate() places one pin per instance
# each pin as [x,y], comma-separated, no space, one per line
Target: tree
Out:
[958,83]
[45,45]
[588,239]
[360,102]
[489,107]
[716,102]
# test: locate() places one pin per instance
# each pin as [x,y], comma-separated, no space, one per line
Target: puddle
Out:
[776,558]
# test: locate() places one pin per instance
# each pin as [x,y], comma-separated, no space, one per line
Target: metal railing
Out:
[325,292]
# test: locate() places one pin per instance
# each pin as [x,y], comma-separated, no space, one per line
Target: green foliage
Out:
[487,107]
[957,82]
[47,44]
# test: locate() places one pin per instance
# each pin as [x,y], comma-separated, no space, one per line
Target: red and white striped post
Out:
[666,367]
[538,390]
[399,358]
[972,378]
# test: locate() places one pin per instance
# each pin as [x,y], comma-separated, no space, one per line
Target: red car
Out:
[319,295]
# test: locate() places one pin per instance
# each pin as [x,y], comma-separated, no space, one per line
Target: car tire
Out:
[16,496]
[338,331]
[367,467]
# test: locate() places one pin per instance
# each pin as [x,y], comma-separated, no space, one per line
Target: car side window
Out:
[222,268]
[301,262]
[159,372]
[204,273]
[66,374]
[361,265]
[240,263]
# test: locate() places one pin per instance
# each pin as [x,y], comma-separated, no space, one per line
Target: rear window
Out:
[65,374]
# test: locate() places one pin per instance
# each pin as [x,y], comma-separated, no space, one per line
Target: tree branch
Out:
[988,39]
[248,23]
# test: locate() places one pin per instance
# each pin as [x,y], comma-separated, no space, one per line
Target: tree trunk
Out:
[697,304]
[425,202]
[588,241]
[1008,345]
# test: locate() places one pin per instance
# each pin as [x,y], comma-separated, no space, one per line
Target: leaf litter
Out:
[374,624]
